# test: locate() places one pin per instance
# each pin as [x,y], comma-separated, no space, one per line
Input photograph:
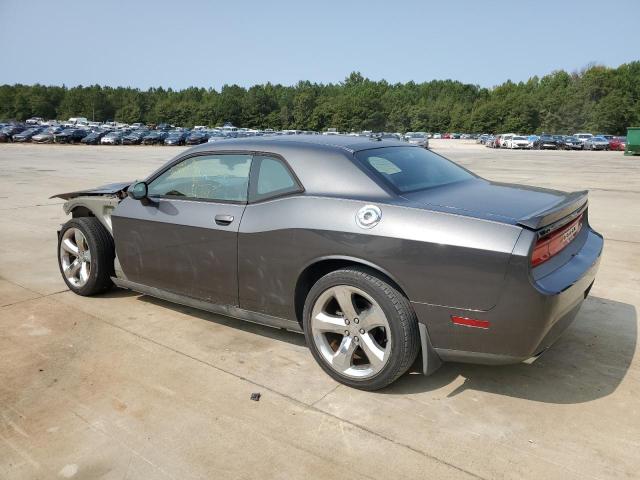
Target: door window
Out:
[205,177]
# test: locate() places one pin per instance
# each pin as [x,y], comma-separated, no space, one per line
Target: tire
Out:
[91,273]
[375,301]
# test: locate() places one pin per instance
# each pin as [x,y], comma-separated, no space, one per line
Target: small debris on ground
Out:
[255,397]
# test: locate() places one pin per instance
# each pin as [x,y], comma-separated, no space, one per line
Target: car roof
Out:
[329,142]
[324,164]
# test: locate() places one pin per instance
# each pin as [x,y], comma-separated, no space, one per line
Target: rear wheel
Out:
[360,329]
[85,256]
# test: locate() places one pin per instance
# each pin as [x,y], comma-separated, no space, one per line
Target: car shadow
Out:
[256,328]
[588,362]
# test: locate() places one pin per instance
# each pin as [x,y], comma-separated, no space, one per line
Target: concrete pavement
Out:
[126,386]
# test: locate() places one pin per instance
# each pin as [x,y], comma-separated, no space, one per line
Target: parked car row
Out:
[109,133]
[577,141]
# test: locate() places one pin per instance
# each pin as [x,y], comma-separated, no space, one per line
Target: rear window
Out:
[408,168]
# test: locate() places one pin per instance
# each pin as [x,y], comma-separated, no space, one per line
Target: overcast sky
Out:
[180,43]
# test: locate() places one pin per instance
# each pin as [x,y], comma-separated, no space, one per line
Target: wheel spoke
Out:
[344,297]
[68,246]
[84,272]
[374,353]
[73,268]
[328,323]
[373,317]
[79,240]
[342,358]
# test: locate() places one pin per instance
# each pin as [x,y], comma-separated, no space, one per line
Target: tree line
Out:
[595,99]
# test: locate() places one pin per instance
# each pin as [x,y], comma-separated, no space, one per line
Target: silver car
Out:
[596,143]
[378,251]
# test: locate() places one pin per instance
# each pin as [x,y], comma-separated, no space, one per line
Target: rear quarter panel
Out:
[436,258]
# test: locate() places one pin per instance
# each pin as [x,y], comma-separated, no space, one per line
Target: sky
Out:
[182,43]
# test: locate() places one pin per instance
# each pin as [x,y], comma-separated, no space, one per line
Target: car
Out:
[70,135]
[583,137]
[112,138]
[504,140]
[7,132]
[46,135]
[546,142]
[26,135]
[376,250]
[94,138]
[197,137]
[618,143]
[176,138]
[604,135]
[569,142]
[596,143]
[517,141]
[154,137]
[134,137]
[417,138]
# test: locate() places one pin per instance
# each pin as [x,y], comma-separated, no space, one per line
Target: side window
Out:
[206,177]
[272,178]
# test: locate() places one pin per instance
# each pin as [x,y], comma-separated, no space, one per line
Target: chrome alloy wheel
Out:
[351,331]
[75,257]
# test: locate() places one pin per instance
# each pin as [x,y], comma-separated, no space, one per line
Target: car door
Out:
[183,237]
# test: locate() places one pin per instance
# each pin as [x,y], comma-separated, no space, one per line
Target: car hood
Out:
[109,189]
[503,202]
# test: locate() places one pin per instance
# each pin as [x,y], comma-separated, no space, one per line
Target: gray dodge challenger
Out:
[376,250]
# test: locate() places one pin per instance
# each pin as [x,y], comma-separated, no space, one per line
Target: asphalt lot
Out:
[126,386]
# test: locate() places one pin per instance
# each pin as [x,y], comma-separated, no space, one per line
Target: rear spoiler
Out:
[572,206]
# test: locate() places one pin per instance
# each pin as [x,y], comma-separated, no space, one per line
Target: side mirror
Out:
[138,191]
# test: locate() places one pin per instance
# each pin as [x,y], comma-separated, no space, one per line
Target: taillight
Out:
[553,243]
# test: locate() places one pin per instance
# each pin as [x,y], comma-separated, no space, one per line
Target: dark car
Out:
[7,132]
[570,142]
[154,137]
[134,138]
[375,249]
[196,138]
[26,135]
[176,138]
[94,137]
[546,142]
[70,135]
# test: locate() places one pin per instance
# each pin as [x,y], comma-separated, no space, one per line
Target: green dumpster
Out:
[633,141]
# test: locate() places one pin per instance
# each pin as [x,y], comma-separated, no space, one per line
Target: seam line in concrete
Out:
[294,400]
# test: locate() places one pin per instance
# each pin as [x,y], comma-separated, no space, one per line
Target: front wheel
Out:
[360,329]
[85,256]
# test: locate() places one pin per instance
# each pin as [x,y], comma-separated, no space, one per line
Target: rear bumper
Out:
[530,316]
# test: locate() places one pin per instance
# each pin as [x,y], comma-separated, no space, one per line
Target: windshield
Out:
[416,135]
[409,168]
[519,138]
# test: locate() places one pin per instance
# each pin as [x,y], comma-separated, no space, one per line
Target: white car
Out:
[583,137]
[517,141]
[505,138]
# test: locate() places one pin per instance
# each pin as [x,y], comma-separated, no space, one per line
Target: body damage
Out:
[458,250]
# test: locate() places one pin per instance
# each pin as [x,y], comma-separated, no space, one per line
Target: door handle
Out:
[224,219]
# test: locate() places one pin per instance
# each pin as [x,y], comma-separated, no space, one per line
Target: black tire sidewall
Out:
[98,268]
[398,326]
